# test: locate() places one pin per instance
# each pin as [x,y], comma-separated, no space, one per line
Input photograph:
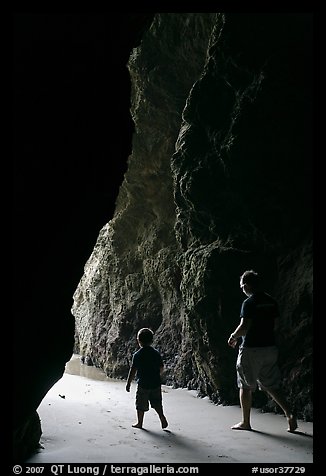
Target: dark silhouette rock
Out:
[70,78]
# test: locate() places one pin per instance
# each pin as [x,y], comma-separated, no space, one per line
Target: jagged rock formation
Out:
[219,181]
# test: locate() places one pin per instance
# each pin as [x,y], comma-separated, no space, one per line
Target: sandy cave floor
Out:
[86,418]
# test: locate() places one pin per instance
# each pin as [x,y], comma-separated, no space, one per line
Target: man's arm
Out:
[241,330]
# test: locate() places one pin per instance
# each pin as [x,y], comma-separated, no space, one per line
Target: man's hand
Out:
[232,341]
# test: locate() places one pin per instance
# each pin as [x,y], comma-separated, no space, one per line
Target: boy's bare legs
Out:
[160,413]
[278,397]
[140,416]
[245,396]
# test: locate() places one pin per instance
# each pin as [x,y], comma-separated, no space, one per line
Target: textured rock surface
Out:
[219,181]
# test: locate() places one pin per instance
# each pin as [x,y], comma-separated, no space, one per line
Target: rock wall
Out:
[219,181]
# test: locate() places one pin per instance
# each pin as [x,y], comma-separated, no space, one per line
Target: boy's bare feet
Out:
[137,425]
[164,422]
[293,424]
[241,426]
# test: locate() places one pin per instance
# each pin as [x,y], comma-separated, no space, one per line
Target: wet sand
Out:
[87,418]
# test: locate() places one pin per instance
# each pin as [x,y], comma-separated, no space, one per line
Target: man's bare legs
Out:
[140,416]
[278,397]
[245,396]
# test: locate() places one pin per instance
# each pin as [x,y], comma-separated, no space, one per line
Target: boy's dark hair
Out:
[251,277]
[145,336]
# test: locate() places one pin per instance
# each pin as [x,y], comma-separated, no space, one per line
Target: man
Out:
[257,357]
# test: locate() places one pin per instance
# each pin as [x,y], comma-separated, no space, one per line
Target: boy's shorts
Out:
[258,365]
[146,395]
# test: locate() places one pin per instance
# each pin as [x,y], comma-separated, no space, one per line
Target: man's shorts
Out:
[258,365]
[145,395]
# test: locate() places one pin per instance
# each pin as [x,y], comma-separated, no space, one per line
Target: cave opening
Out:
[145,183]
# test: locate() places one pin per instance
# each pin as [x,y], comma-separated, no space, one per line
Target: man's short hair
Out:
[250,277]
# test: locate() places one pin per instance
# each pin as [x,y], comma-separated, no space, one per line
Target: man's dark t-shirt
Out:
[147,361]
[262,309]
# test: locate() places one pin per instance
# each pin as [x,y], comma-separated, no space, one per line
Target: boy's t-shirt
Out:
[147,361]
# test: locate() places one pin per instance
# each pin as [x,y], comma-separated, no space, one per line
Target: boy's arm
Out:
[131,376]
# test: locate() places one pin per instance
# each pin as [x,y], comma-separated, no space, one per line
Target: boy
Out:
[148,364]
